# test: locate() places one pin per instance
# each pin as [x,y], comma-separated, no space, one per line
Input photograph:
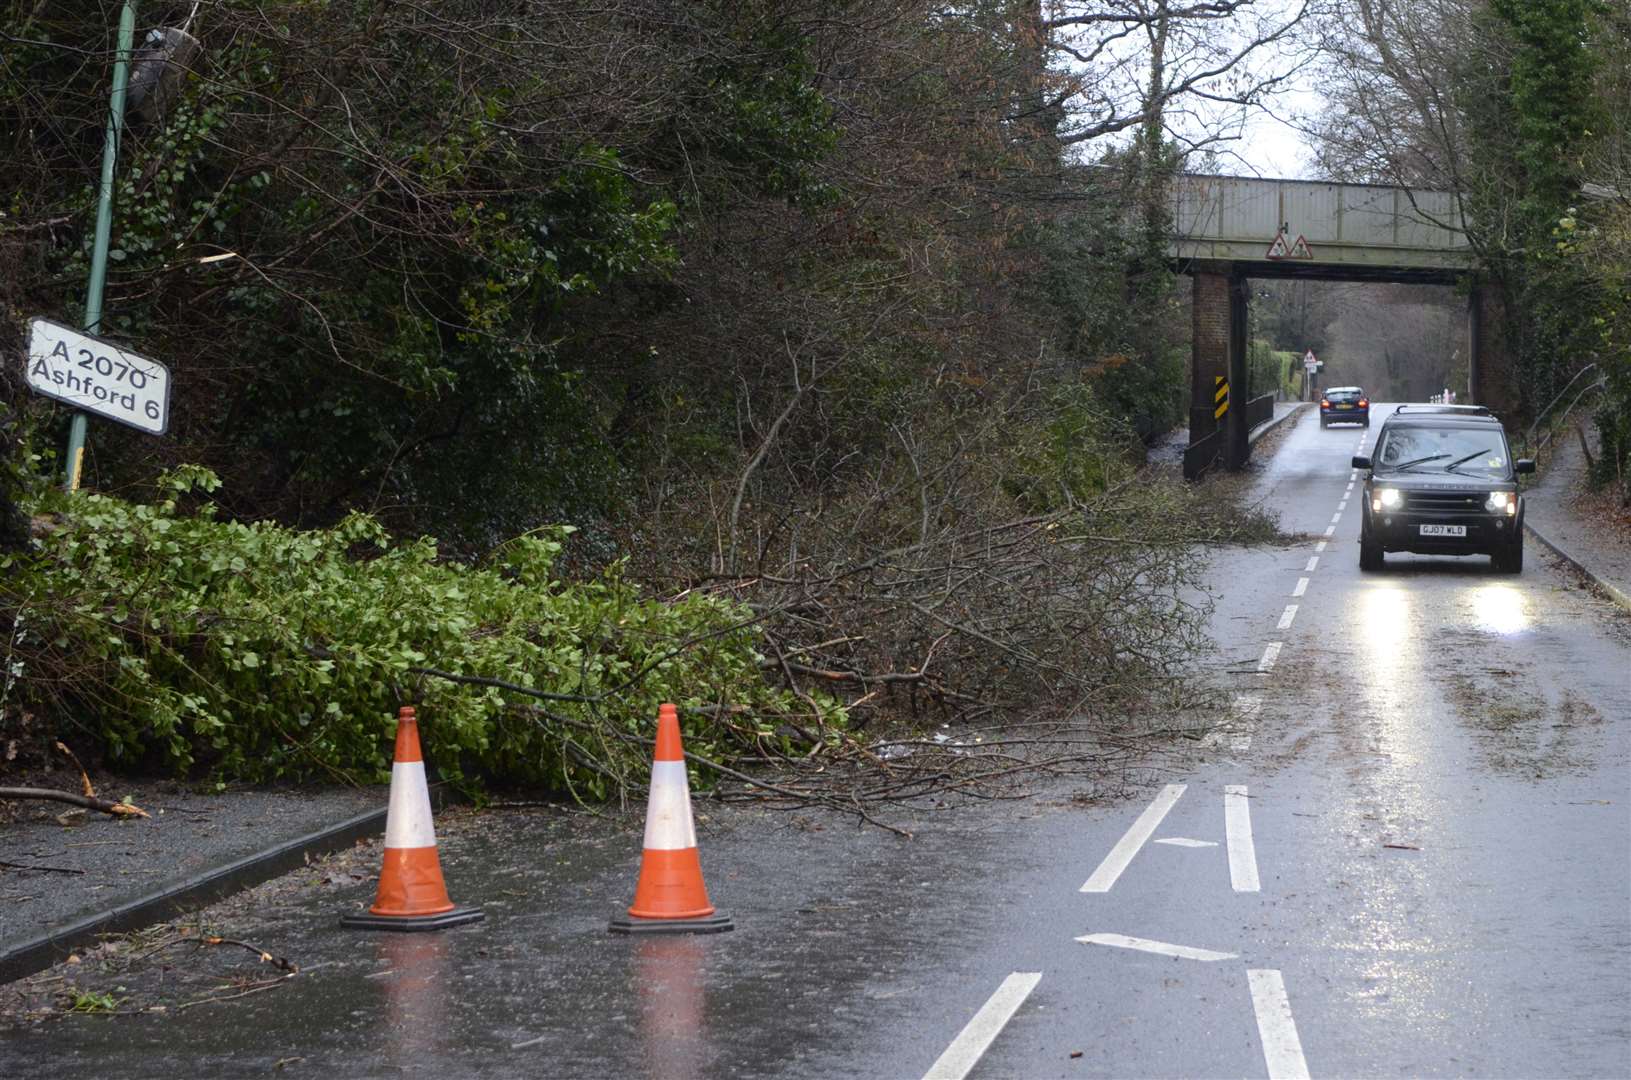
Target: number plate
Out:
[1344,406]
[1444,530]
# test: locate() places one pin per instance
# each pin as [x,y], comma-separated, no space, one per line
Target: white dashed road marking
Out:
[1282,1049]
[1251,707]
[977,1036]
[1320,546]
[1139,832]
[1313,561]
[1329,529]
[1271,653]
[1302,582]
[1286,616]
[1184,841]
[1237,830]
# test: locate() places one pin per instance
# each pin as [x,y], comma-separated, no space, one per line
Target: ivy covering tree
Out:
[1521,107]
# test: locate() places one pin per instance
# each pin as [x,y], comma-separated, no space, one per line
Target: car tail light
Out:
[1364,403]
[1324,404]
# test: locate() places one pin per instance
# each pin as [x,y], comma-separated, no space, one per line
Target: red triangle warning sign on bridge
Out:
[1297,249]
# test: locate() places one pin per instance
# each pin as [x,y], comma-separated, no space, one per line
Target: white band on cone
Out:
[668,813]
[407,819]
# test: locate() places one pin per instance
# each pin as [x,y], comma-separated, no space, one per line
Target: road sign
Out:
[1220,397]
[1310,361]
[98,376]
[1296,249]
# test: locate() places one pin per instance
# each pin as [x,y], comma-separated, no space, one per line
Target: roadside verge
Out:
[1608,588]
[24,955]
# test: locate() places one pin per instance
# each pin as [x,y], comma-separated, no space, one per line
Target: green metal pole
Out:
[104,222]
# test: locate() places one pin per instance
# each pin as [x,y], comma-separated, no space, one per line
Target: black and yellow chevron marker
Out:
[1220,397]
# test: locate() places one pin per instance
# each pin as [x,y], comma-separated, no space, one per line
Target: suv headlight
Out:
[1385,498]
[1499,501]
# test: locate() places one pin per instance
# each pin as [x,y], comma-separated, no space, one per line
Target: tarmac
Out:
[68,876]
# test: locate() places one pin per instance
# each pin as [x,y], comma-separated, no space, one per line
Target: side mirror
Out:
[1523,465]
[1360,461]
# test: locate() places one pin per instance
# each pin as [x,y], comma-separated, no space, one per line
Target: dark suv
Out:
[1442,482]
[1344,405]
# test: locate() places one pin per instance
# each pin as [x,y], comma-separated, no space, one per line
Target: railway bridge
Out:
[1230,229]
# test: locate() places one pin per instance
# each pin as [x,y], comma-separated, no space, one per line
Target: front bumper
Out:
[1400,530]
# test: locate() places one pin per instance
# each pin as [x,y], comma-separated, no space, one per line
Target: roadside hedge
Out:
[253,651]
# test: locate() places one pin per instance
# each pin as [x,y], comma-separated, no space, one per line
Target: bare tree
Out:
[1388,72]
[1190,67]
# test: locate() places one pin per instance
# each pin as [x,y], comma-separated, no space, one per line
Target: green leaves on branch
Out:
[262,652]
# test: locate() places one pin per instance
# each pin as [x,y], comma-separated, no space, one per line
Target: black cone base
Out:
[708,924]
[367,920]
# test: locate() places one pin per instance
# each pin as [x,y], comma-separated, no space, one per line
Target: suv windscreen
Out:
[1462,451]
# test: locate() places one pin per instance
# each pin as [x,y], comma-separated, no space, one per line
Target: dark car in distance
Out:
[1344,405]
[1442,482]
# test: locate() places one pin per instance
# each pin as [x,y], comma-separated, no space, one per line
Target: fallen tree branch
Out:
[36,866]
[255,989]
[279,962]
[116,809]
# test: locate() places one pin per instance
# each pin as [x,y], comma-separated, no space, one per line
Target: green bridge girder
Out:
[1389,233]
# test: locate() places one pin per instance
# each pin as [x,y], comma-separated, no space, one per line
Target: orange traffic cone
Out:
[670,897]
[412,895]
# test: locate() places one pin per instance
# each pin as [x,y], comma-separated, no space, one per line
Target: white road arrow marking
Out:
[1160,948]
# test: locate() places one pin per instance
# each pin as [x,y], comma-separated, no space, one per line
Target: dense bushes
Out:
[258,651]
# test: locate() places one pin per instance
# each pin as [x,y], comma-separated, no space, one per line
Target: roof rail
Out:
[1465,410]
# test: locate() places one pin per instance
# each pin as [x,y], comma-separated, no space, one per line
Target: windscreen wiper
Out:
[1462,461]
[1420,460]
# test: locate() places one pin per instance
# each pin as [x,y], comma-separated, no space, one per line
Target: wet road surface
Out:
[1407,853]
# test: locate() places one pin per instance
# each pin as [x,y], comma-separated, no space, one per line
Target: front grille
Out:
[1447,503]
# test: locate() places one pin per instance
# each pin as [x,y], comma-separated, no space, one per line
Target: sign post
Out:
[104,227]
